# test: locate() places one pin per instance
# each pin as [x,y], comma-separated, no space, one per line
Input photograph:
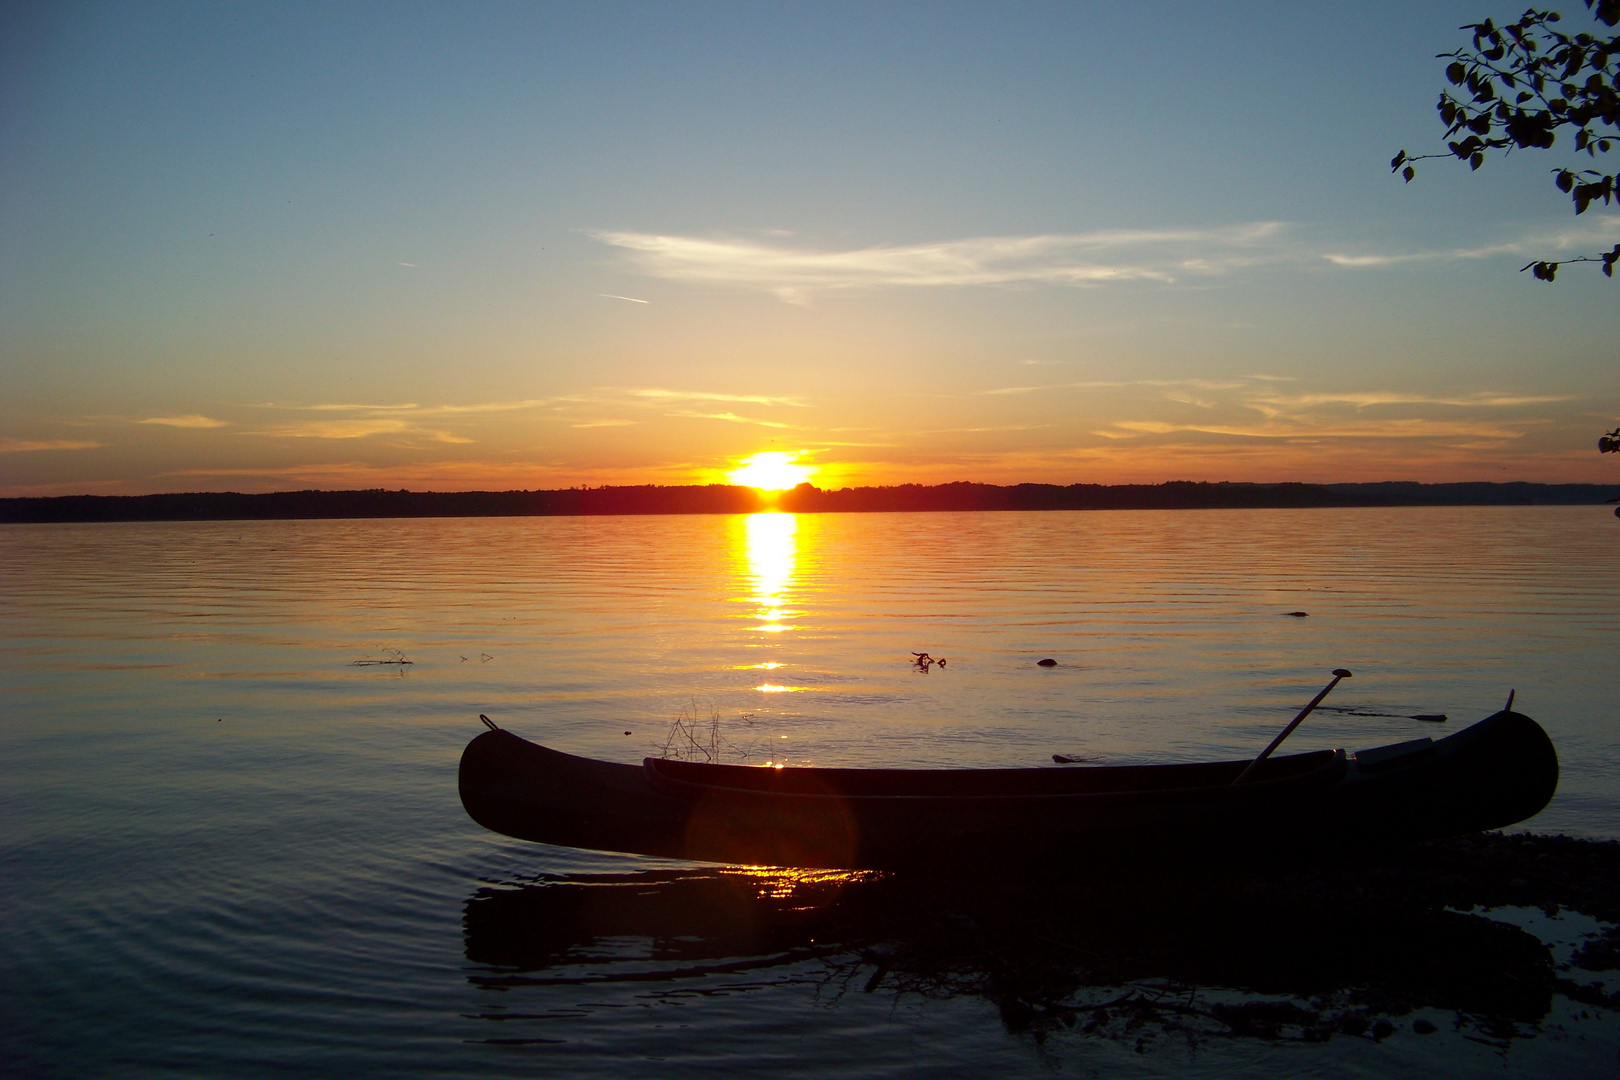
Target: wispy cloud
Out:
[356,428]
[1257,409]
[412,408]
[658,394]
[486,407]
[1095,258]
[616,296]
[794,272]
[1402,428]
[1096,384]
[1595,233]
[30,446]
[731,417]
[453,423]
[191,421]
[360,420]
[1370,399]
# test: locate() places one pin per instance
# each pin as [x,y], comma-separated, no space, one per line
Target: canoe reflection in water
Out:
[1307,953]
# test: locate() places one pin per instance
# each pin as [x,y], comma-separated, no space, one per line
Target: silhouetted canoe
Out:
[1493,774]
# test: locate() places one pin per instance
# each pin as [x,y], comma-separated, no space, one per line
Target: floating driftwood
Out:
[1351,710]
[395,657]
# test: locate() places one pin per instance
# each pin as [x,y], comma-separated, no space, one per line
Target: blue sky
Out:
[268,246]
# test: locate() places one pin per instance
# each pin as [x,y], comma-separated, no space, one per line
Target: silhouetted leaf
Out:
[1522,61]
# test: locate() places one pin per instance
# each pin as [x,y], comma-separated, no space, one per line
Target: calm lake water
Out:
[230,846]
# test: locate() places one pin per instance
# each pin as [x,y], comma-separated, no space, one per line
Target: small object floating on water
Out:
[924,661]
[1431,717]
[1048,662]
[1297,614]
[627,733]
[394,657]
[1066,759]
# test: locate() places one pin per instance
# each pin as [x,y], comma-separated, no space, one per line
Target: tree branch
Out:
[1519,86]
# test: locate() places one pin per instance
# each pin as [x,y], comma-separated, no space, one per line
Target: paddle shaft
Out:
[1339,673]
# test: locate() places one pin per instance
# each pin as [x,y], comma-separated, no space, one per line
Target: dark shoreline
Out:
[724,499]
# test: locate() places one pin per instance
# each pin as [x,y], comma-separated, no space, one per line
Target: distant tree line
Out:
[728,499]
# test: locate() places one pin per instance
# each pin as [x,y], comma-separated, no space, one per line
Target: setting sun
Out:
[772,470]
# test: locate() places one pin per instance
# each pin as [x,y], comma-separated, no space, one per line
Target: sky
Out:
[257,247]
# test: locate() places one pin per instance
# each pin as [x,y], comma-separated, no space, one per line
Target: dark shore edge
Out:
[726,499]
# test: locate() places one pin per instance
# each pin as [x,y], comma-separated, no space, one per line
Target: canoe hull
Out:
[1493,774]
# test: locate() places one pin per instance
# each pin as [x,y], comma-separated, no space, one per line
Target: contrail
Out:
[616,296]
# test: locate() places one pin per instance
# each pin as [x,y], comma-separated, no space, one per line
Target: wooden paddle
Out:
[1338,673]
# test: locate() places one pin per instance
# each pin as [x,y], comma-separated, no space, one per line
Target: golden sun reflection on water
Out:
[770,544]
[781,883]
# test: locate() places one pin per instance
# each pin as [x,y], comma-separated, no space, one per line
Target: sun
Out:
[771,470]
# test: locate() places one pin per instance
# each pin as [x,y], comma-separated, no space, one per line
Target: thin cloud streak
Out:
[1164,256]
[1461,420]
[1384,429]
[414,408]
[34,446]
[1370,399]
[1096,258]
[730,417]
[191,421]
[1599,232]
[1197,384]
[698,395]
[336,429]
[358,420]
